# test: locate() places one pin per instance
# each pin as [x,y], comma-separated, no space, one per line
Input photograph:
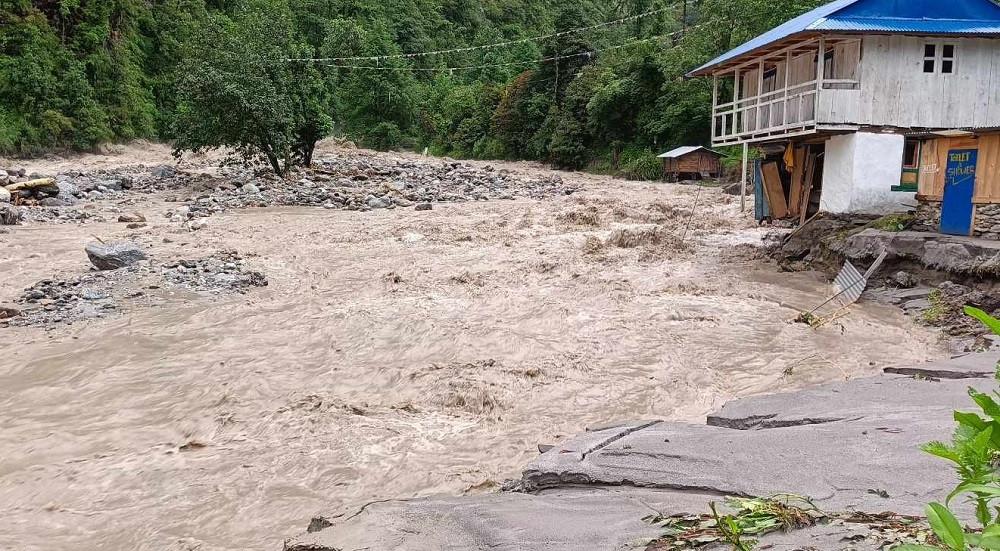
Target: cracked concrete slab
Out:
[951,253]
[969,366]
[567,519]
[850,400]
[840,465]
[846,445]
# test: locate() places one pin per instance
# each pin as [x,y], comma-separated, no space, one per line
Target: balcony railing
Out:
[779,112]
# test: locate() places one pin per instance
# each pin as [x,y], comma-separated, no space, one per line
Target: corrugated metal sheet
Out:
[859,24]
[684,150]
[849,283]
[955,17]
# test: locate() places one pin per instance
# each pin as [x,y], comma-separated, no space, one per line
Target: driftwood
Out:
[31,184]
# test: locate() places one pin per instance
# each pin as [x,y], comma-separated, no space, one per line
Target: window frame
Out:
[913,169]
[934,54]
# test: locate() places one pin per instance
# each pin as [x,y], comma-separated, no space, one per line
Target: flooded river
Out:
[394,353]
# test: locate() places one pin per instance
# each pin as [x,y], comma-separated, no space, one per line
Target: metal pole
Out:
[743,183]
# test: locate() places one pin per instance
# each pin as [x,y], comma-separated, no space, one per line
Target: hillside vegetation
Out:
[76,73]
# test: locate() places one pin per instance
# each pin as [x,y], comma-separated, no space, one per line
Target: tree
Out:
[238,91]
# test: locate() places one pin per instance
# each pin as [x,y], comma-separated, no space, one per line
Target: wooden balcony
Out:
[777,94]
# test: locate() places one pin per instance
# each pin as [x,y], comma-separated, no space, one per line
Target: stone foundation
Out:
[986,223]
[928,216]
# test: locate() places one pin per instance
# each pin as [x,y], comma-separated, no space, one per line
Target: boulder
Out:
[163,171]
[250,188]
[132,217]
[54,202]
[114,255]
[9,215]
[903,280]
[423,206]
[4,195]
[67,191]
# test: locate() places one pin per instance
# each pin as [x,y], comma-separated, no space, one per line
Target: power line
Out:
[587,54]
[486,46]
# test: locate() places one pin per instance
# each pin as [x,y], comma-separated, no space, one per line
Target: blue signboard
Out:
[959,186]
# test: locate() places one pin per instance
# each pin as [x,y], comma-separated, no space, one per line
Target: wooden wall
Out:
[933,160]
[695,162]
[896,92]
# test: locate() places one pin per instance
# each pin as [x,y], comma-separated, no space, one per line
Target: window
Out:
[939,58]
[911,153]
[930,55]
[947,58]
[911,166]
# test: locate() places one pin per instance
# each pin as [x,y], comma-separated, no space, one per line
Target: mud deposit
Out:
[393,353]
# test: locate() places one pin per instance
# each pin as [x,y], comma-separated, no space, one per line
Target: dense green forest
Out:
[76,73]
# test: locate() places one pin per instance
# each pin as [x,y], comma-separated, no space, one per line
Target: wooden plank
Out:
[798,171]
[810,169]
[772,188]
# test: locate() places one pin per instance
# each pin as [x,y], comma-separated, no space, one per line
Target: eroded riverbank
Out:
[393,353]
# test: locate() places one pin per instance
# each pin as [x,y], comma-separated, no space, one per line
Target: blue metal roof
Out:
[961,17]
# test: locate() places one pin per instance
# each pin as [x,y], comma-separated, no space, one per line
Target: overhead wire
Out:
[503,44]
[588,54]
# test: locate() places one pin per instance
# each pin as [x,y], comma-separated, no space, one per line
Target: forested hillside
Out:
[75,73]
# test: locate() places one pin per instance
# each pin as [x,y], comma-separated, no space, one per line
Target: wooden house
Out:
[691,162]
[871,106]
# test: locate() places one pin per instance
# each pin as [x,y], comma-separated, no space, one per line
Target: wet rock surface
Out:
[104,292]
[345,182]
[849,446]
[354,183]
[223,272]
[114,255]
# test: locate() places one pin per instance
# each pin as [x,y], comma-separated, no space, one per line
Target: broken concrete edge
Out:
[949,253]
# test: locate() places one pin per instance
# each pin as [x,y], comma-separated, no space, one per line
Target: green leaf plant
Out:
[975,450]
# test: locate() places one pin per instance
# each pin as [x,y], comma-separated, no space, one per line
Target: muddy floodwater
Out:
[394,353]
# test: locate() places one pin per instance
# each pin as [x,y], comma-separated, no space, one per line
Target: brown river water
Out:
[394,354]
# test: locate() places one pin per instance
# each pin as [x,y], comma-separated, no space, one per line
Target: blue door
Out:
[959,185]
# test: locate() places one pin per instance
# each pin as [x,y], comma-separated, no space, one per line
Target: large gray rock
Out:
[4,195]
[9,215]
[68,192]
[163,171]
[114,255]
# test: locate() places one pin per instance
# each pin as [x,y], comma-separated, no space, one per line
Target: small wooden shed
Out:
[691,162]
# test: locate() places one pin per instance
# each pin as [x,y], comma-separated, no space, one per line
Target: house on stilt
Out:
[872,106]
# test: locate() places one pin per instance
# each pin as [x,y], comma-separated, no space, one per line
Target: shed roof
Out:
[684,150]
[925,17]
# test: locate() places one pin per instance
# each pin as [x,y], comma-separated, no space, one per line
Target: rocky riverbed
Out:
[347,181]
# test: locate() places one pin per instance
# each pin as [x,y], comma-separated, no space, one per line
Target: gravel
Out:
[51,302]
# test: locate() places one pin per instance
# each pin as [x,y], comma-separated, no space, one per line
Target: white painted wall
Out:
[859,171]
[894,90]
[838,174]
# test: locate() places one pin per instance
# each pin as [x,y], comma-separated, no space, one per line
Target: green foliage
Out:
[750,517]
[988,320]
[974,449]
[208,73]
[234,94]
[642,165]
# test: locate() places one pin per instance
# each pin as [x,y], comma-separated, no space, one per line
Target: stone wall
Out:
[987,221]
[928,216]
